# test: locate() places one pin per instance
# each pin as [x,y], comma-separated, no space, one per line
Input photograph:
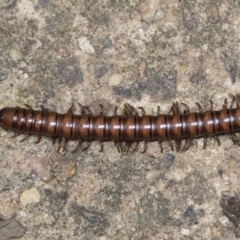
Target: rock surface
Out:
[55,53]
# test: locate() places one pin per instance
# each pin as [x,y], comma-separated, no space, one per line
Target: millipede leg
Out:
[127,147]
[130,110]
[101,146]
[78,146]
[118,146]
[187,144]
[115,111]
[85,108]
[217,140]
[160,145]
[87,146]
[54,140]
[211,105]
[101,109]
[134,111]
[38,139]
[174,108]
[28,106]
[71,109]
[187,110]
[15,135]
[170,144]
[238,100]
[144,147]
[225,104]
[25,138]
[143,111]
[136,147]
[43,108]
[178,143]
[234,138]
[237,141]
[127,110]
[200,109]
[205,142]
[62,145]
[232,102]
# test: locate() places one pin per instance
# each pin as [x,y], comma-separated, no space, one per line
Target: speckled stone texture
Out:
[146,53]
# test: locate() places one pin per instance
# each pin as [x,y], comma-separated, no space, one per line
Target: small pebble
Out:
[149,10]
[152,175]
[115,80]
[22,64]
[167,194]
[15,54]
[142,69]
[216,233]
[30,196]
[85,45]
[102,238]
[25,75]
[185,232]
[22,214]
[8,207]
[144,7]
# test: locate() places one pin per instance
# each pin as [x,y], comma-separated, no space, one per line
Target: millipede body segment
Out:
[129,127]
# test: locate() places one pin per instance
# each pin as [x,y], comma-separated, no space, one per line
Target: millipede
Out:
[129,127]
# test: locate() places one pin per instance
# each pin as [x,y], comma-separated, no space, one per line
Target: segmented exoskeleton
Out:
[130,126]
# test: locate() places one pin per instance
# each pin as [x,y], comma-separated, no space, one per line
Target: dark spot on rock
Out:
[102,19]
[107,43]
[43,3]
[163,88]
[70,73]
[10,4]
[168,161]
[144,26]
[190,20]
[51,22]
[90,216]
[57,201]
[48,192]
[100,71]
[230,65]
[123,91]
[230,204]
[155,211]
[220,172]
[73,75]
[197,77]
[11,228]
[200,192]
[190,215]
[3,74]
[112,197]
[95,222]
[61,198]
[101,44]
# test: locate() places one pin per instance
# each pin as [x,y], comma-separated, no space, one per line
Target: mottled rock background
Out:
[145,53]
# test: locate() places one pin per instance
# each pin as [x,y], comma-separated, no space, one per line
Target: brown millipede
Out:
[129,127]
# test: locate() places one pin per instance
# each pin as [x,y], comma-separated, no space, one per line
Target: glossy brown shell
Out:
[129,127]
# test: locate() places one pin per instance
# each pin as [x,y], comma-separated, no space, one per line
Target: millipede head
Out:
[6,117]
